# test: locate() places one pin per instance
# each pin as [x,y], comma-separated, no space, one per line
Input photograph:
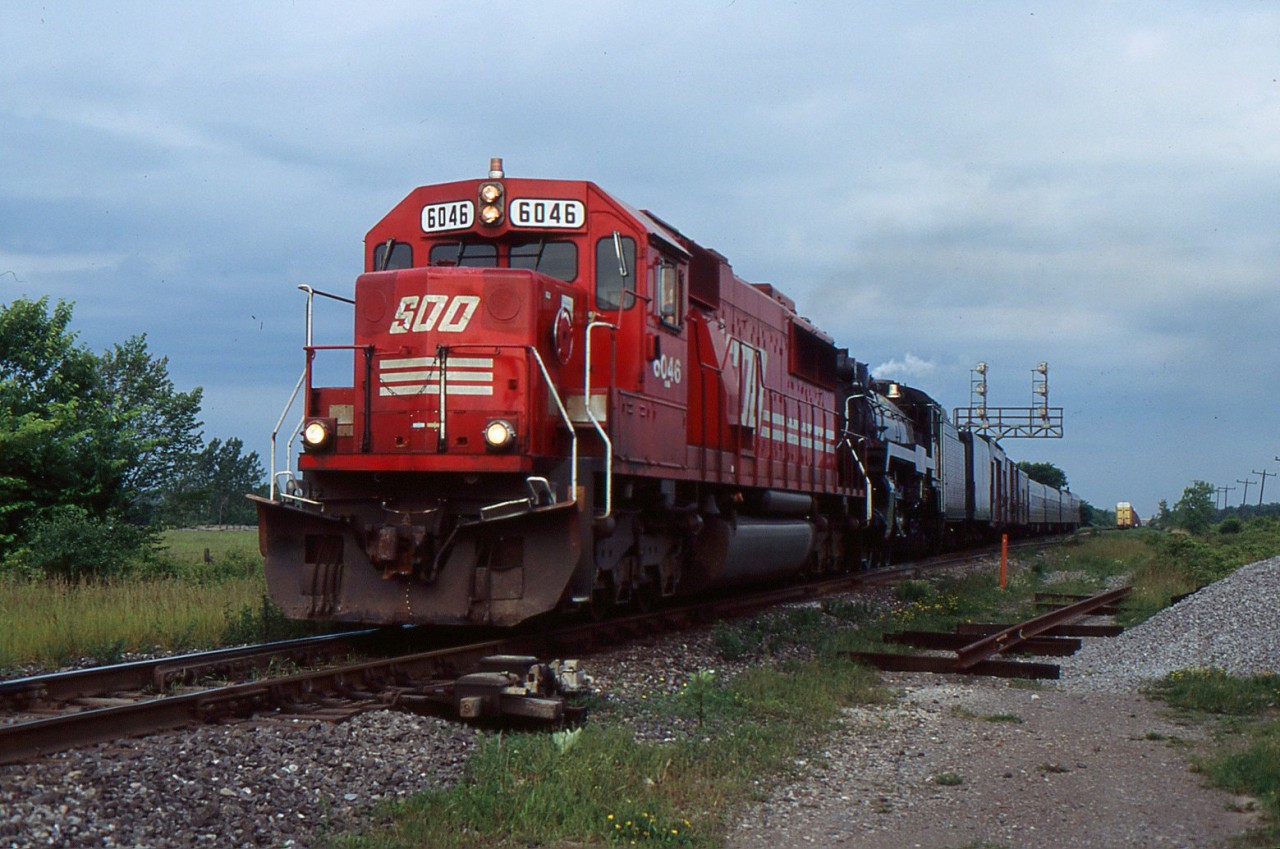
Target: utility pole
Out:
[1224,492]
[1265,474]
[1246,483]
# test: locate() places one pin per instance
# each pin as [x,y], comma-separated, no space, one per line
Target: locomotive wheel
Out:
[601,605]
[646,596]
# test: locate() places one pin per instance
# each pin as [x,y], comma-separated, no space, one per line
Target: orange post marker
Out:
[1004,559]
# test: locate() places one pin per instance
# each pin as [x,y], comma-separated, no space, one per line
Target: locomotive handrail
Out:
[311,293]
[848,402]
[564,414]
[591,416]
[275,433]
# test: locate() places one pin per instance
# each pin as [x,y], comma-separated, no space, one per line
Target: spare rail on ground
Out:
[1049,633]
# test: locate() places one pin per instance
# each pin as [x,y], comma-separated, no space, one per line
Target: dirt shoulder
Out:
[969,762]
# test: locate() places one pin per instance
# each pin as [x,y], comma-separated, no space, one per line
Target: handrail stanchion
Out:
[591,416]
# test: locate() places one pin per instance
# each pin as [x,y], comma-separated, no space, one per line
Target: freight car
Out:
[555,401]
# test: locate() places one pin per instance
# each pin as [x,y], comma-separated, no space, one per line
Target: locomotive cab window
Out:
[669,285]
[615,272]
[392,255]
[557,259]
[465,254]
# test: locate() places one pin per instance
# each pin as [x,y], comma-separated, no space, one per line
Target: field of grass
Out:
[181,601]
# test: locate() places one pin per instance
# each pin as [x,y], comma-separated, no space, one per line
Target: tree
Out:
[162,424]
[1091,516]
[1045,473]
[58,444]
[1195,510]
[96,434]
[211,485]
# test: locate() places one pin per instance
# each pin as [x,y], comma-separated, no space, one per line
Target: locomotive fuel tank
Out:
[747,550]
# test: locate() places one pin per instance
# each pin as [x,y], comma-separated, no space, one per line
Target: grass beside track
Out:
[178,601]
[1243,755]
[597,785]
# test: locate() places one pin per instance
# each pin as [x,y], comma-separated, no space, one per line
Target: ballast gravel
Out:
[953,762]
[1233,625]
[284,782]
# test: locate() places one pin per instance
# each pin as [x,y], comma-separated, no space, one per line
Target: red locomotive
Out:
[558,401]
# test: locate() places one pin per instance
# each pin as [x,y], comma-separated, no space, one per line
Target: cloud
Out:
[908,368]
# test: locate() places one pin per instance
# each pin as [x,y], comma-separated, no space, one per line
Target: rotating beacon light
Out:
[491,195]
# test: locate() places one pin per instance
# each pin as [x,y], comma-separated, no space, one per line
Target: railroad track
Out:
[162,674]
[493,678]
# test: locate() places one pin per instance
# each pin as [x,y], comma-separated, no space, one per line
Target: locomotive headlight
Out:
[317,433]
[491,203]
[499,434]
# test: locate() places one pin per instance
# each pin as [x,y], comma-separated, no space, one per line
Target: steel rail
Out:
[26,740]
[141,674]
[984,648]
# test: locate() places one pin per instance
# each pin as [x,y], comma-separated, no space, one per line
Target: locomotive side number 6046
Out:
[546,212]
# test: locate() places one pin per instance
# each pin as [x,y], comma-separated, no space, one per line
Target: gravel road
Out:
[977,762]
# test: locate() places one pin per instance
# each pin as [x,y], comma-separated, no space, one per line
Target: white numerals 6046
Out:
[548,212]
[454,215]
[422,314]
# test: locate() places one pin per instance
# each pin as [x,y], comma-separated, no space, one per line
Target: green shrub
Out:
[914,590]
[69,543]
[1230,526]
[1214,691]
[1246,758]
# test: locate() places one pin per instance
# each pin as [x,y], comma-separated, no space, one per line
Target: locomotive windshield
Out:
[557,259]
[392,255]
[465,254]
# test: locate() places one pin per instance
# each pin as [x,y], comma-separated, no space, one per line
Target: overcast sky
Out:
[1095,185]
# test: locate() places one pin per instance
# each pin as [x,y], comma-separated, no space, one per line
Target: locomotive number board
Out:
[547,212]
[452,215]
